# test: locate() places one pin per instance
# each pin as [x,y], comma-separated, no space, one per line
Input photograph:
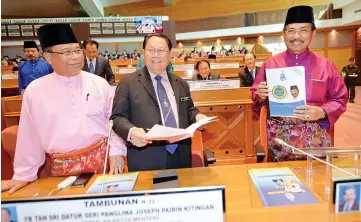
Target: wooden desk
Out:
[232,137]
[242,200]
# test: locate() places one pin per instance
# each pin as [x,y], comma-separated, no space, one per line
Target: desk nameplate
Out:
[213,85]
[181,204]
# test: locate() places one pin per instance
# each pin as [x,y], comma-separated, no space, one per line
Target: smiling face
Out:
[298,37]
[203,69]
[294,93]
[156,54]
[66,65]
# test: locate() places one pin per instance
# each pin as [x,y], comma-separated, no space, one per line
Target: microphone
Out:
[111,122]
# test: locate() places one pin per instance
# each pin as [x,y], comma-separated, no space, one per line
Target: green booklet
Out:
[114,183]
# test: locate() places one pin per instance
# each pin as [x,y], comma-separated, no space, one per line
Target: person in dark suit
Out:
[152,96]
[351,72]
[349,196]
[249,73]
[203,69]
[97,64]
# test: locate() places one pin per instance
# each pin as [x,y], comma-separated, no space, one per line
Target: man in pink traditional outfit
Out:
[65,111]
[326,94]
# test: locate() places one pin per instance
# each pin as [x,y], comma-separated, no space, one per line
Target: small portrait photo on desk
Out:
[348,197]
[9,214]
[279,183]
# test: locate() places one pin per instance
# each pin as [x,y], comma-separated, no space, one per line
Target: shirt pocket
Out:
[94,106]
[318,90]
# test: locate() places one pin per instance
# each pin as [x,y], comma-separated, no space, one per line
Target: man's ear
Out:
[47,56]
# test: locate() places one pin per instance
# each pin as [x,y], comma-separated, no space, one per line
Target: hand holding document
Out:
[159,132]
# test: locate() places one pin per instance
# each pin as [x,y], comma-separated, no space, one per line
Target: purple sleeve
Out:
[259,78]
[336,97]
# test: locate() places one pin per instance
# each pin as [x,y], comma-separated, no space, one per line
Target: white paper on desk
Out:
[159,132]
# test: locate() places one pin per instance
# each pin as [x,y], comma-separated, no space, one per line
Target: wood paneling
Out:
[339,56]
[38,9]
[320,52]
[189,9]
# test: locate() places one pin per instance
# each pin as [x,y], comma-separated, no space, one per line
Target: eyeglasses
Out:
[31,51]
[160,51]
[69,53]
[302,31]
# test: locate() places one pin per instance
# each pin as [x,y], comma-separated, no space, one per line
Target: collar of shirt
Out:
[349,205]
[68,79]
[164,75]
[88,61]
[300,57]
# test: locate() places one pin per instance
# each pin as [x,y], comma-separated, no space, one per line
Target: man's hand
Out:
[262,91]
[200,116]
[137,137]
[12,185]
[309,113]
[116,164]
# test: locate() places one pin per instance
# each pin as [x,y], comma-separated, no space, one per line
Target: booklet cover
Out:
[114,183]
[287,90]
[280,187]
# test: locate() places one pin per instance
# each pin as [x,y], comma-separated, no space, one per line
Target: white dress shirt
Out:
[168,88]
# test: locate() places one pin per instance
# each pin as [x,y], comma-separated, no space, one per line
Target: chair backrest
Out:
[10,110]
[8,142]
[263,129]
[197,150]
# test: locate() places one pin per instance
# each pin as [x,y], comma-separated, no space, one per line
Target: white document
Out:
[159,132]
[288,90]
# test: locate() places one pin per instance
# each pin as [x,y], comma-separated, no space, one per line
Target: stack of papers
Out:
[159,132]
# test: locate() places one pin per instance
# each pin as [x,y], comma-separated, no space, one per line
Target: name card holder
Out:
[181,204]
[213,85]
[125,70]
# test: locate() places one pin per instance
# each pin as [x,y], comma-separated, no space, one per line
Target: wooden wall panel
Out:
[320,52]
[339,56]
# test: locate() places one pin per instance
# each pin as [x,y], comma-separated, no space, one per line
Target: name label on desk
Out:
[9,76]
[183,67]
[230,65]
[182,204]
[125,70]
[213,85]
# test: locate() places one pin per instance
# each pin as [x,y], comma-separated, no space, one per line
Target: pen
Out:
[87,95]
[35,195]
[148,129]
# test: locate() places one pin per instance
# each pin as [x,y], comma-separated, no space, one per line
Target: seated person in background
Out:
[232,49]
[188,60]
[137,55]
[66,114]
[250,71]
[5,61]
[213,50]
[17,60]
[203,69]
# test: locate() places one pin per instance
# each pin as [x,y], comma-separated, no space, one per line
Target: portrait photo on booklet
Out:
[347,195]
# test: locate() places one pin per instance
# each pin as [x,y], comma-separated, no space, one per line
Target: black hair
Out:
[202,61]
[146,38]
[186,58]
[91,42]
[347,188]
[244,57]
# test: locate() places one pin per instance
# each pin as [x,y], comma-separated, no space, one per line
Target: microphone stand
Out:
[107,152]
